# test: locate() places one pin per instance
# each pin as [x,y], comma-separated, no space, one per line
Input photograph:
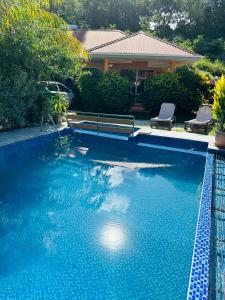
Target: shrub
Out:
[107,93]
[114,91]
[216,68]
[18,98]
[181,87]
[87,84]
[219,103]
[196,85]
[159,89]
[184,43]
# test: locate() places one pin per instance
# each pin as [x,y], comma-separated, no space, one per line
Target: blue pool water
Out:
[97,220]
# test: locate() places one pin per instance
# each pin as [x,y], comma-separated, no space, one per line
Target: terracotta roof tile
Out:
[141,44]
[93,38]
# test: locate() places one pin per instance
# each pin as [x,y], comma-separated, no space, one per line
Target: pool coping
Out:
[198,288]
[24,134]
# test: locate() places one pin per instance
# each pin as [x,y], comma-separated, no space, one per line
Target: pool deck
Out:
[176,132]
[180,134]
[17,135]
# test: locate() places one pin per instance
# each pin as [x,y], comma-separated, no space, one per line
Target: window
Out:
[141,77]
[63,88]
[52,87]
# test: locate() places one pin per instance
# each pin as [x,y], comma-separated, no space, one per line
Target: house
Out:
[114,49]
[139,54]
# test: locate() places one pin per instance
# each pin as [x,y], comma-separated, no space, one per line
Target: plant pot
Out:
[60,119]
[220,139]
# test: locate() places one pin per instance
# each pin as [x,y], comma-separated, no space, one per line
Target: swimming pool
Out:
[94,219]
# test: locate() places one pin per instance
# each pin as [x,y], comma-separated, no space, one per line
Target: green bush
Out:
[107,93]
[159,89]
[87,84]
[219,104]
[216,68]
[114,91]
[181,87]
[18,99]
[196,86]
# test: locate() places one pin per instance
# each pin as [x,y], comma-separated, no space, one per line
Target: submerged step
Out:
[190,151]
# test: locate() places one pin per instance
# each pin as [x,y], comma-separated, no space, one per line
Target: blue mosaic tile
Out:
[198,284]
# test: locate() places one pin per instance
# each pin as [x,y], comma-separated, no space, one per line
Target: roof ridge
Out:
[169,43]
[112,42]
[110,30]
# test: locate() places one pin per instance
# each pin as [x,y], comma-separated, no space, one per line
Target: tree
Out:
[35,45]
[100,13]
[162,17]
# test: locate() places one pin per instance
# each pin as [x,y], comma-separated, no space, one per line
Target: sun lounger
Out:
[166,116]
[202,121]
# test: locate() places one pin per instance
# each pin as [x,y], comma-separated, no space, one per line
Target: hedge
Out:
[106,93]
[183,87]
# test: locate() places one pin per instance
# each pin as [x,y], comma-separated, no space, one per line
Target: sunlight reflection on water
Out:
[113,236]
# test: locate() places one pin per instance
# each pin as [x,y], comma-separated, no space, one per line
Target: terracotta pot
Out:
[60,119]
[220,139]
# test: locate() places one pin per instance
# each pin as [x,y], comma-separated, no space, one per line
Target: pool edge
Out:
[198,287]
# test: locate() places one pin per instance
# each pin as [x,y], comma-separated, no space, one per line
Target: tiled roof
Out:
[141,44]
[93,38]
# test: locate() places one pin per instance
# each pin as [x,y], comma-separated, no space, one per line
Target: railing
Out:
[52,123]
[102,122]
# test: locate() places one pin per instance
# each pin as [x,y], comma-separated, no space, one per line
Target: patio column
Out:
[136,81]
[172,66]
[105,65]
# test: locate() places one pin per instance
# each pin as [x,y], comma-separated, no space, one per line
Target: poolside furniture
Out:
[202,121]
[122,124]
[166,116]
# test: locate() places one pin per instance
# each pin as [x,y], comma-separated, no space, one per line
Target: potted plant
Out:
[60,106]
[219,111]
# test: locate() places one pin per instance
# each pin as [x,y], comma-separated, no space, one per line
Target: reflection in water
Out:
[113,236]
[116,177]
[95,171]
[64,148]
[82,150]
[100,186]
[49,241]
[115,202]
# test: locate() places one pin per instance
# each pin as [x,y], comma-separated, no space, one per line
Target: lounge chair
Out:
[166,116]
[202,121]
